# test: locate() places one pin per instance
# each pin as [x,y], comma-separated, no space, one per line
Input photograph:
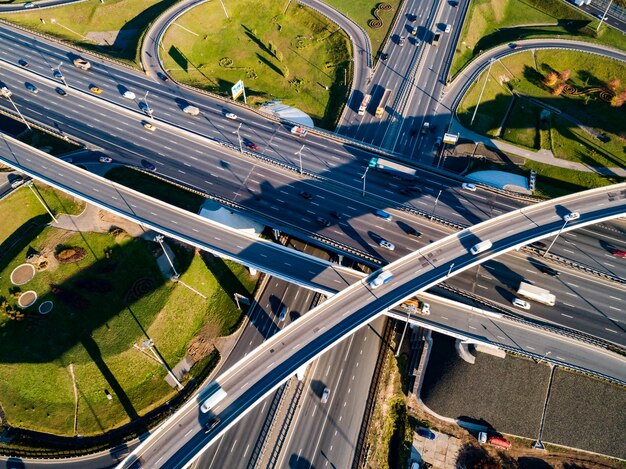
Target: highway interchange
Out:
[333,173]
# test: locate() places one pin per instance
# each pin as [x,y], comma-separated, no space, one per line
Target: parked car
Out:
[147,165]
[468,187]
[306,195]
[521,303]
[383,243]
[323,221]
[251,145]
[426,433]
[32,88]
[617,252]
[548,270]
[384,215]
[211,424]
[325,395]
[413,233]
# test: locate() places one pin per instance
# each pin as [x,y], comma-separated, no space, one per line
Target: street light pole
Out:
[481,92]
[239,138]
[544,357]
[159,239]
[406,324]
[567,218]
[62,76]
[150,344]
[604,16]
[364,178]
[148,110]
[450,269]
[19,113]
[30,185]
[299,153]
[435,206]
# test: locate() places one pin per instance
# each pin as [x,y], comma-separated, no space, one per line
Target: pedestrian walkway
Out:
[541,156]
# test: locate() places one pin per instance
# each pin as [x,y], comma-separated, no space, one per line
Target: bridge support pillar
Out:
[300,372]
[340,258]
[276,234]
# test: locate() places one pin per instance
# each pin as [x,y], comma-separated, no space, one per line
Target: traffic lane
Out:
[584,303]
[338,442]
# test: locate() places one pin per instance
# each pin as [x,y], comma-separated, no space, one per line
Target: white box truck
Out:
[382,278]
[532,292]
[213,400]
[481,247]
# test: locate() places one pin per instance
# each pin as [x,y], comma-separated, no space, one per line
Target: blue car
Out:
[426,433]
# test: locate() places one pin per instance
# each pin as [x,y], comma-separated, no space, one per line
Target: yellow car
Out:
[149,126]
[95,89]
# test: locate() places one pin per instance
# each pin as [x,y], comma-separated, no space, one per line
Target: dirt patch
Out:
[22,274]
[204,343]
[68,255]
[117,39]
[27,298]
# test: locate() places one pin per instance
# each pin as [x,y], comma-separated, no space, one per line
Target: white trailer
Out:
[213,400]
[391,166]
[532,292]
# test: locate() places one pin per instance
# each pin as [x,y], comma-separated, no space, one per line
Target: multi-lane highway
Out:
[273,362]
[269,193]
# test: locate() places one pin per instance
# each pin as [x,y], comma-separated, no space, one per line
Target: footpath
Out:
[541,156]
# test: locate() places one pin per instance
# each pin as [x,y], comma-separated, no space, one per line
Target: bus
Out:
[383,102]
[364,104]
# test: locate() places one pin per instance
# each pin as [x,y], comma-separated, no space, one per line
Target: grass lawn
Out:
[292,57]
[156,188]
[360,11]
[493,22]
[566,139]
[94,25]
[25,208]
[102,305]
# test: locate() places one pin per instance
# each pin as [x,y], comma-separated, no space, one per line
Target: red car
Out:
[617,252]
[252,146]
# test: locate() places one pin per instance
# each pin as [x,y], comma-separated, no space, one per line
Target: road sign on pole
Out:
[238,89]
[450,139]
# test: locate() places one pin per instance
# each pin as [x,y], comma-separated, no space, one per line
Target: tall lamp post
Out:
[567,218]
[435,206]
[150,344]
[239,138]
[159,239]
[364,177]
[18,112]
[299,153]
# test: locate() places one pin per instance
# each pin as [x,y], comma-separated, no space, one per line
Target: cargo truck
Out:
[191,110]
[383,102]
[364,104]
[532,292]
[81,63]
[415,306]
[213,400]
[391,167]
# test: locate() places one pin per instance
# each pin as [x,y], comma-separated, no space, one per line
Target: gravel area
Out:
[507,394]
[586,413]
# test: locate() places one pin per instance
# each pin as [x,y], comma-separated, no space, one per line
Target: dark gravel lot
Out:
[586,413]
[506,393]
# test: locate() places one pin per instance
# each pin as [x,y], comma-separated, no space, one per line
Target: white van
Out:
[480,247]
[283,313]
[380,279]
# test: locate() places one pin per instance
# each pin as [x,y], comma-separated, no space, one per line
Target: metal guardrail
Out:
[258,449]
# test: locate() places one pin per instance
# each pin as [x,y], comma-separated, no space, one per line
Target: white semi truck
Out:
[213,400]
[532,292]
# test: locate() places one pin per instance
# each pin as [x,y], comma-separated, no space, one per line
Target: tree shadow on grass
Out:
[22,237]
[271,66]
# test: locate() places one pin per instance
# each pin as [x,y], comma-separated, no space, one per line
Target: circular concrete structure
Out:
[27,299]
[46,307]
[22,274]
